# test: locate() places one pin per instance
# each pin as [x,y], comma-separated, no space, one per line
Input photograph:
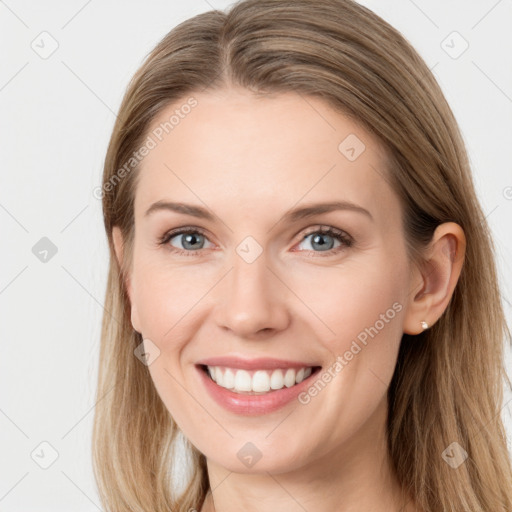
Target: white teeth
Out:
[277,379]
[289,378]
[242,380]
[228,379]
[259,381]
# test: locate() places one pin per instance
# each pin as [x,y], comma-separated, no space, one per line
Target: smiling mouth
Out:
[258,382]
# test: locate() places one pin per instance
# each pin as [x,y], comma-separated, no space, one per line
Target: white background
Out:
[56,119]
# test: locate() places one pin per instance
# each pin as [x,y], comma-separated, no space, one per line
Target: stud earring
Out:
[424,325]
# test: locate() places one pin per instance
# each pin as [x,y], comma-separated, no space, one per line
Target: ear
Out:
[432,286]
[118,240]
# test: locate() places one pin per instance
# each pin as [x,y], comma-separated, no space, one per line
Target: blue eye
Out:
[321,234]
[193,239]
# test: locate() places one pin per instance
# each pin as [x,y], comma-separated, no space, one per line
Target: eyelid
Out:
[166,237]
[341,235]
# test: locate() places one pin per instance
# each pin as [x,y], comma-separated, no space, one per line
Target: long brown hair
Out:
[448,382]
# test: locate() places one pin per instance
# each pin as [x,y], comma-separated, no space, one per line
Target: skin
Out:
[249,160]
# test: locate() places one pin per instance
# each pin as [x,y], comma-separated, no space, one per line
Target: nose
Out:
[252,302]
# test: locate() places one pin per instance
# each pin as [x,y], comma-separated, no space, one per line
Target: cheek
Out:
[166,297]
[343,301]
[361,311]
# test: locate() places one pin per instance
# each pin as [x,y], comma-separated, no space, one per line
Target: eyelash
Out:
[345,239]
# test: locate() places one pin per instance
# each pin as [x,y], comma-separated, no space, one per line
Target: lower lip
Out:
[253,405]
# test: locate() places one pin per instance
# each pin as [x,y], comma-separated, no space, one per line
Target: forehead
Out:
[253,151]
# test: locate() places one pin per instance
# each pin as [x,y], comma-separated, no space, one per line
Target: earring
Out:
[424,325]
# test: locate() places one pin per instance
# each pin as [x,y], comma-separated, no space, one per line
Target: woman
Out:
[298,268]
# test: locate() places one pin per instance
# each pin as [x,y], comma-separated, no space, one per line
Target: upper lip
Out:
[263,363]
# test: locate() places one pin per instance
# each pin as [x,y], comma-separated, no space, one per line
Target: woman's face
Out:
[253,280]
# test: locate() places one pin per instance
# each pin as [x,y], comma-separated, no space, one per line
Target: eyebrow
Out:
[290,216]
